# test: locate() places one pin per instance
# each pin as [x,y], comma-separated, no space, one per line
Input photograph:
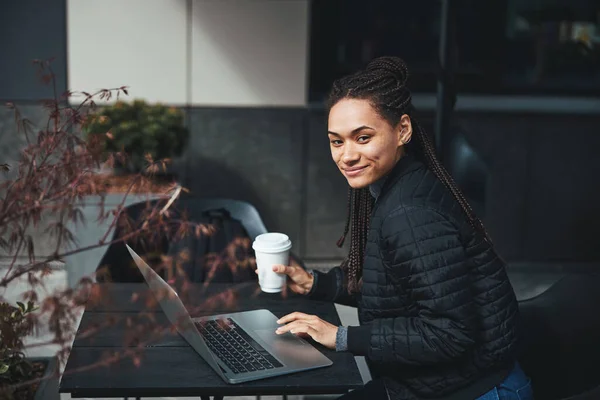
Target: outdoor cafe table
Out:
[168,366]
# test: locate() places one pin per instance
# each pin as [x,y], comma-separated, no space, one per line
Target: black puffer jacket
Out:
[438,314]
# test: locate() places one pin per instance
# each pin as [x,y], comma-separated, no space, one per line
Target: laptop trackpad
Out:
[270,337]
[288,347]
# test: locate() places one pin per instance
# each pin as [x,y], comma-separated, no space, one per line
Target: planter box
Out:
[85,263]
[48,388]
[86,234]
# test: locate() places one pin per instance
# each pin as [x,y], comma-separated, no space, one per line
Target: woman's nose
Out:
[349,155]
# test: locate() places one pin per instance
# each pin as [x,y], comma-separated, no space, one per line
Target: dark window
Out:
[497,47]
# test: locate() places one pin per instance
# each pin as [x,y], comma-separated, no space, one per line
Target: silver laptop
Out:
[240,347]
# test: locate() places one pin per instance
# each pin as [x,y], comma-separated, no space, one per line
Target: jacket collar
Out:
[405,164]
[375,187]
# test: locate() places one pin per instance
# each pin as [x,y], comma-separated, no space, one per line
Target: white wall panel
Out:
[136,43]
[249,52]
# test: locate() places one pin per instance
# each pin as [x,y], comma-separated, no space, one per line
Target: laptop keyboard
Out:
[235,347]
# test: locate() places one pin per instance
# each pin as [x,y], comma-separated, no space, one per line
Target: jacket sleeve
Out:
[424,256]
[330,286]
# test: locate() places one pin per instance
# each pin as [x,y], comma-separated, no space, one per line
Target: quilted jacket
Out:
[438,315]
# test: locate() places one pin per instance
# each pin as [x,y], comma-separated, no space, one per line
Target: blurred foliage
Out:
[138,129]
[15,324]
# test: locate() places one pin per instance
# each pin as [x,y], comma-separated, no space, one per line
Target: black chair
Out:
[561,339]
[117,258]
[468,170]
[245,212]
[241,210]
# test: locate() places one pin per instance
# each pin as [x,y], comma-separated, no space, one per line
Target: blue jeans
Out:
[516,386]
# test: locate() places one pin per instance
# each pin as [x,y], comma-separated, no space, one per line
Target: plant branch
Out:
[30,268]
[119,208]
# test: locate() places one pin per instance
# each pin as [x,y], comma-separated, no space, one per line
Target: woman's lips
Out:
[354,171]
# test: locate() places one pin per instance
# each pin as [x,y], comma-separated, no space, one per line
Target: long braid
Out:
[442,174]
[383,84]
[341,240]
[360,216]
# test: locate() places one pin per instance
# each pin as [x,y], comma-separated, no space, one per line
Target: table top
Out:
[125,346]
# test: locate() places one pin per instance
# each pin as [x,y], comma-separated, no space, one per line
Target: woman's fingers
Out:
[282,269]
[311,325]
[286,328]
[297,327]
[294,316]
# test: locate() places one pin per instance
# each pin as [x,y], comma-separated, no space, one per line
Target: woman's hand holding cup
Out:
[299,280]
[272,253]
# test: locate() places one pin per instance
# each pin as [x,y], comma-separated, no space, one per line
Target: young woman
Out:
[437,312]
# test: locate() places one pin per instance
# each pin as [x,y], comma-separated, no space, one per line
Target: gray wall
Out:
[542,202]
[29,30]
[254,155]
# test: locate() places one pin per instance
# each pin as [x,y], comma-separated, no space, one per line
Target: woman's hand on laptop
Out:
[303,324]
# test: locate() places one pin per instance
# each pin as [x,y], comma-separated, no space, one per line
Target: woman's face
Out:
[365,146]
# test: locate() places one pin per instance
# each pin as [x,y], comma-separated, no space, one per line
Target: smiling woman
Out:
[365,146]
[438,314]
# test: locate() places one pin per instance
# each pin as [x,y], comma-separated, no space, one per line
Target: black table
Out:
[123,317]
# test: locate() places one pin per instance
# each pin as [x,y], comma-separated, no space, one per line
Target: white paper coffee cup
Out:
[271,249]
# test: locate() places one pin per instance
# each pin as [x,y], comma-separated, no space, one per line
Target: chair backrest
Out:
[245,212]
[468,170]
[561,337]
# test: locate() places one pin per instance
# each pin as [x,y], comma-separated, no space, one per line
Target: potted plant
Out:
[41,200]
[141,132]
[41,197]
[22,378]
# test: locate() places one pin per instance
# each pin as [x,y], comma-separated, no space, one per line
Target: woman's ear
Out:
[405,130]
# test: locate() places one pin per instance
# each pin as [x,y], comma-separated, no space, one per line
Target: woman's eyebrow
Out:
[354,131]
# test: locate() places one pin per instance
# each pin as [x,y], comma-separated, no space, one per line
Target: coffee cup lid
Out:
[272,242]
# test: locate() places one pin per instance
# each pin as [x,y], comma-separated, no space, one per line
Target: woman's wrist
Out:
[310,284]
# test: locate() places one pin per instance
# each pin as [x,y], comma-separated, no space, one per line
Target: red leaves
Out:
[56,169]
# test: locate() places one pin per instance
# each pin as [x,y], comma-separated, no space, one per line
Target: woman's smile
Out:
[354,171]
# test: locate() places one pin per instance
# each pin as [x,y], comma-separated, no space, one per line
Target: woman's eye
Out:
[336,142]
[363,138]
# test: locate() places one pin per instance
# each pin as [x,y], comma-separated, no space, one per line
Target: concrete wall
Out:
[198,53]
[542,202]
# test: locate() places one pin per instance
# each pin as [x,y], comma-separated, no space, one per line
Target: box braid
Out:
[360,205]
[383,84]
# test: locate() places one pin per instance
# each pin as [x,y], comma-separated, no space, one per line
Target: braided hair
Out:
[383,84]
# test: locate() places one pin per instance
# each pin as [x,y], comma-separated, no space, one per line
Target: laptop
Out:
[239,347]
